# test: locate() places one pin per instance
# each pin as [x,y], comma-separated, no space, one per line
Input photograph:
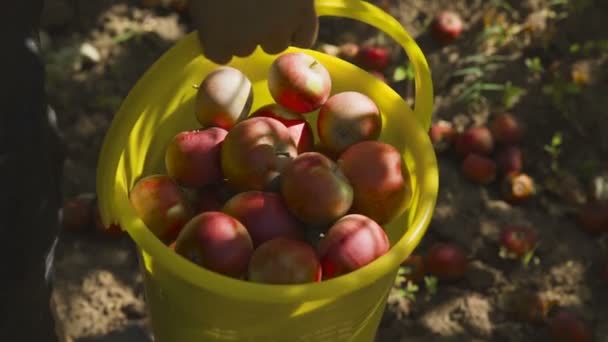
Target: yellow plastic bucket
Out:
[187,303]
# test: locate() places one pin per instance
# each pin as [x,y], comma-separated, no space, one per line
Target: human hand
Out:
[228,28]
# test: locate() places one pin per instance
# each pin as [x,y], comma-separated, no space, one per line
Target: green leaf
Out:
[411,287]
[475,71]
[404,72]
[528,257]
[492,87]
[123,37]
[572,88]
[574,48]
[430,284]
[556,140]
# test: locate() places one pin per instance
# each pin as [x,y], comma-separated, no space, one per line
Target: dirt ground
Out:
[550,54]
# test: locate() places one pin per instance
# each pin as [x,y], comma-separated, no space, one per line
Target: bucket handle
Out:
[376,17]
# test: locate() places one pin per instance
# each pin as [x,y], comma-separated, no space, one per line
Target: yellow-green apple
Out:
[223,98]
[315,189]
[254,153]
[347,118]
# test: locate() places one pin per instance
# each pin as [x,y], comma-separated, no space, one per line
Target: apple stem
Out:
[313,64]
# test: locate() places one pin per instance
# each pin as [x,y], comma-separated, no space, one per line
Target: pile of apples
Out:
[252,195]
[489,153]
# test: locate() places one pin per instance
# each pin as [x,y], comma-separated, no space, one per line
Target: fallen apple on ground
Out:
[375,58]
[446,261]
[414,269]
[479,169]
[442,134]
[477,139]
[518,239]
[509,160]
[77,213]
[447,26]
[593,217]
[567,326]
[517,188]
[506,129]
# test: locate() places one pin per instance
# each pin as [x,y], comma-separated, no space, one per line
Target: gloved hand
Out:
[228,28]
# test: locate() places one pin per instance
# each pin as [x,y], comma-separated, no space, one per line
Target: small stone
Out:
[134,311]
[90,53]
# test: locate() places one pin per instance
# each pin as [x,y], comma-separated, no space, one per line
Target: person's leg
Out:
[30,181]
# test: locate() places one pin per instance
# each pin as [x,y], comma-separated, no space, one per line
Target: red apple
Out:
[77,213]
[348,51]
[593,217]
[113,230]
[347,118]
[506,129]
[442,134]
[315,190]
[299,82]
[380,181]
[264,215]
[518,239]
[446,26]
[414,268]
[531,307]
[284,261]
[509,160]
[192,158]
[299,128]
[217,242]
[211,197]
[446,261]
[351,243]
[566,326]
[374,57]
[224,98]
[254,153]
[479,169]
[604,272]
[161,205]
[477,139]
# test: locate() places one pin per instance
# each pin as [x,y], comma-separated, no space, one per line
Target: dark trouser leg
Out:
[30,181]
